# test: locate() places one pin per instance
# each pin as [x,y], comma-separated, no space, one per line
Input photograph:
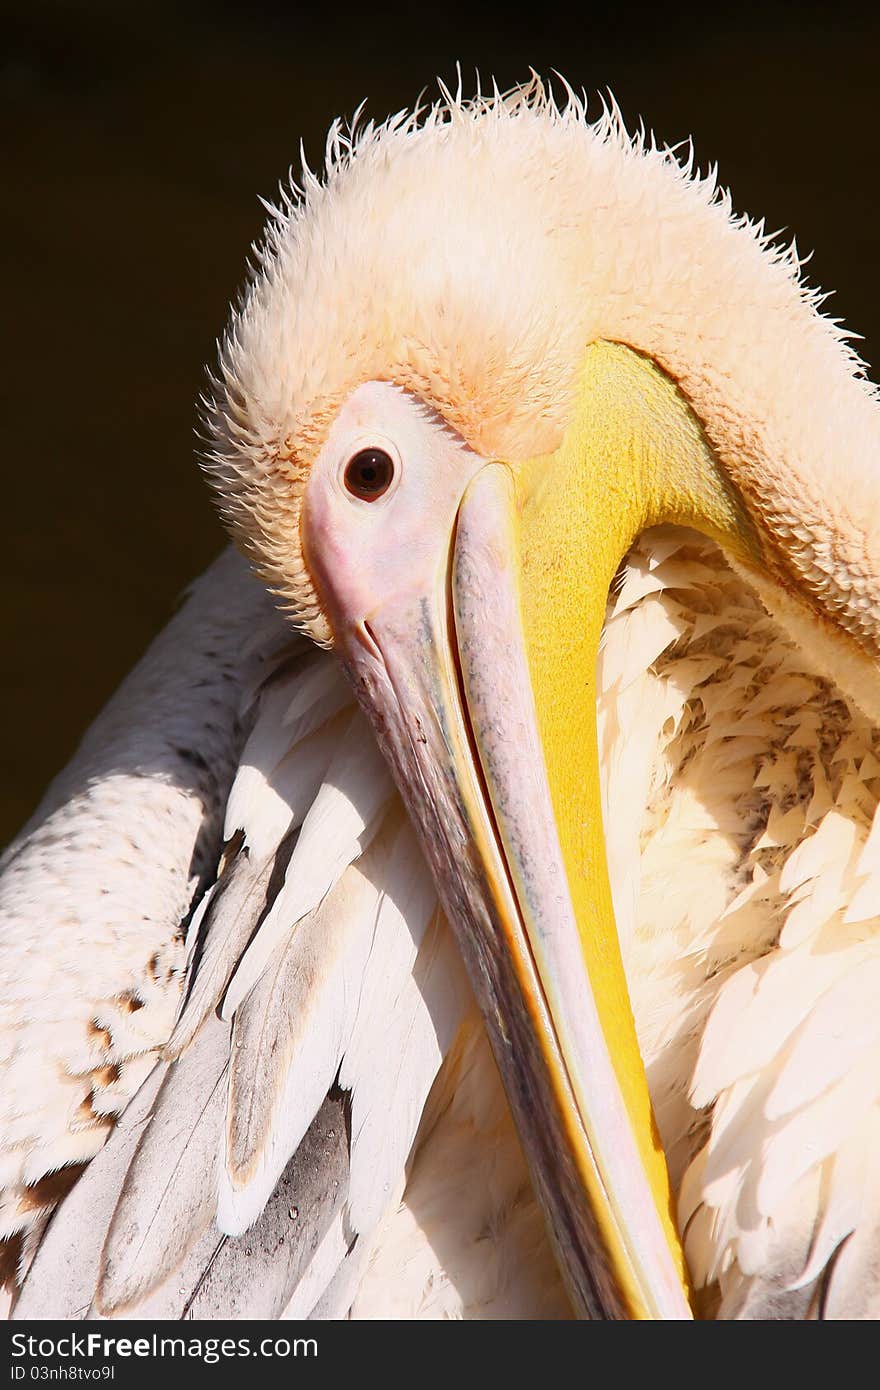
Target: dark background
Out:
[136,139]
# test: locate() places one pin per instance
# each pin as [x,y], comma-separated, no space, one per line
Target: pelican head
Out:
[481,355]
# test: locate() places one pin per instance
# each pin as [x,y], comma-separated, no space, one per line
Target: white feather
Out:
[336,830]
[296,703]
[325,1262]
[388,1099]
[169,1195]
[62,1280]
[847,1180]
[808,1136]
[842,1027]
[282,801]
[290,1037]
[239,900]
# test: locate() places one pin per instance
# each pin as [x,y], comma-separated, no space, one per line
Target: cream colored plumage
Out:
[754,978]
[740,780]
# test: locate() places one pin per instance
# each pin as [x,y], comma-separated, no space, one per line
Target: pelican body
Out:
[469,906]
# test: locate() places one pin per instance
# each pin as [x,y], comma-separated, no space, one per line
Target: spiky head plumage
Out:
[469,252]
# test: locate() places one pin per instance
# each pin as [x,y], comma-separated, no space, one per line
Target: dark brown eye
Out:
[369,473]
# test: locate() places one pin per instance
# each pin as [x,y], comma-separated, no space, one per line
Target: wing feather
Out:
[324,1266]
[241,1183]
[226,927]
[170,1192]
[289,1036]
[104,877]
[62,1279]
[337,829]
[255,1275]
[391,1080]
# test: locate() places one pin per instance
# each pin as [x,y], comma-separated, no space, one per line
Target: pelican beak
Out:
[480,683]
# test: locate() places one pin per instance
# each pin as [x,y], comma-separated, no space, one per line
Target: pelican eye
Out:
[369,474]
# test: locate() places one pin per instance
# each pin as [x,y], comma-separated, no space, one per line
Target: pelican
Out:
[469,905]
